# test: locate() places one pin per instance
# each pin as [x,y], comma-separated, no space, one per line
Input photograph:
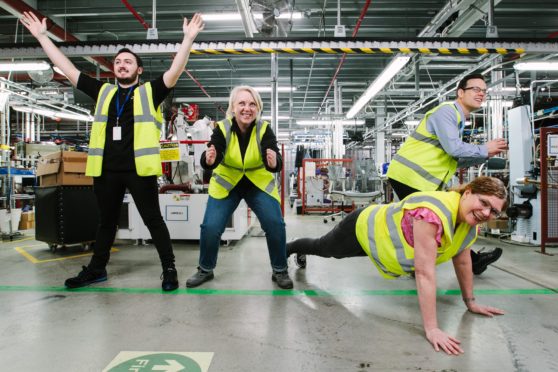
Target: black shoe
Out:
[300,260]
[282,279]
[170,279]
[86,277]
[485,259]
[199,277]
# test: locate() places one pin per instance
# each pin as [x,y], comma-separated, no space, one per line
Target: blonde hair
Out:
[489,186]
[252,91]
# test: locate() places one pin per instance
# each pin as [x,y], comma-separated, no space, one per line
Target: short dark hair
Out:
[126,50]
[463,83]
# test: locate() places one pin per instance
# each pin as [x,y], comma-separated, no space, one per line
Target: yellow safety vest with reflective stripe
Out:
[379,231]
[421,162]
[233,168]
[147,132]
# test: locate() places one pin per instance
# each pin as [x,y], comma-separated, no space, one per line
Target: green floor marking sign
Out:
[143,361]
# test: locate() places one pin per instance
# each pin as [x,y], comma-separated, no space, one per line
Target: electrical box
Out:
[552,145]
[152,34]
[339,31]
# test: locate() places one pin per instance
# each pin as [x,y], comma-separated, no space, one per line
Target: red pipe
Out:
[202,88]
[146,25]
[553,35]
[19,7]
[355,31]
[133,11]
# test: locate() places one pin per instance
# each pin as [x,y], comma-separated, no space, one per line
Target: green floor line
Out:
[263,292]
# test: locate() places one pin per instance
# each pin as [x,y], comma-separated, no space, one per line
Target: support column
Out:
[337,126]
[274,95]
[380,148]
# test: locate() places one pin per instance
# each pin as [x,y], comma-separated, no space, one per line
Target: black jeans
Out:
[109,189]
[341,242]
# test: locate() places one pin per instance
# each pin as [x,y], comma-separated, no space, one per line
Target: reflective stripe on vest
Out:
[223,182]
[453,242]
[234,166]
[146,117]
[147,132]
[417,168]
[146,143]
[95,153]
[421,162]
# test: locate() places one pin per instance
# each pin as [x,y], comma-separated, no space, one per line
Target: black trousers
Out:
[109,189]
[402,191]
[341,242]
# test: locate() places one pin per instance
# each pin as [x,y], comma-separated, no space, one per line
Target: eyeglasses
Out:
[486,205]
[477,90]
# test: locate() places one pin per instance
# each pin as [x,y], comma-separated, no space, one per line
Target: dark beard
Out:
[127,81]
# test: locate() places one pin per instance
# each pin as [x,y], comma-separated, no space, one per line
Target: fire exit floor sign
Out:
[143,361]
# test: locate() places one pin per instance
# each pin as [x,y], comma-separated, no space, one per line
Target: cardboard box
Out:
[63,168]
[496,226]
[27,217]
[26,225]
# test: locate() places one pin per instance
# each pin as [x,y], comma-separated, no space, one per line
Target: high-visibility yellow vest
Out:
[421,162]
[379,231]
[147,131]
[233,168]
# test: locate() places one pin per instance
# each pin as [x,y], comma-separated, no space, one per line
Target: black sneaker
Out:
[170,279]
[300,260]
[199,277]
[86,277]
[485,259]
[282,279]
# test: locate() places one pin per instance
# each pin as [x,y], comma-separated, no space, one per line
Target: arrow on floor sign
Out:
[172,366]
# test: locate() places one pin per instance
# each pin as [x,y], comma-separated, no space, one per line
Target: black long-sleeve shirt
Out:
[269,141]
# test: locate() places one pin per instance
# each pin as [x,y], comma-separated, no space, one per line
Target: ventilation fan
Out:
[41,76]
[272,17]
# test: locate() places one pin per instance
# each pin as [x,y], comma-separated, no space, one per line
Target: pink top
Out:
[424,214]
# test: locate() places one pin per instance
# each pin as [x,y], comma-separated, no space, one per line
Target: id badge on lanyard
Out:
[116,133]
[117,130]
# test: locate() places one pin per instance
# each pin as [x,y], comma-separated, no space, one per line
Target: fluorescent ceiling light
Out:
[279,89]
[385,76]
[72,116]
[504,103]
[279,117]
[536,66]
[53,114]
[24,66]
[505,89]
[329,122]
[236,16]
[412,123]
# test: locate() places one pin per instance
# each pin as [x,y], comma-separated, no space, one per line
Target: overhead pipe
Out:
[342,61]
[136,14]
[146,25]
[17,8]
[202,89]
[22,76]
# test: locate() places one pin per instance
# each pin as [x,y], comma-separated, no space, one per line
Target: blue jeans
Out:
[218,212]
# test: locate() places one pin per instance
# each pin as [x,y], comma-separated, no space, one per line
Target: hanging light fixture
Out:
[24,66]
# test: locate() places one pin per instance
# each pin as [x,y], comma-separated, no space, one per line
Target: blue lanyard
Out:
[120,109]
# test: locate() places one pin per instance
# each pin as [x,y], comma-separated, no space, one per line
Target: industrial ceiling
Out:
[238,51]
